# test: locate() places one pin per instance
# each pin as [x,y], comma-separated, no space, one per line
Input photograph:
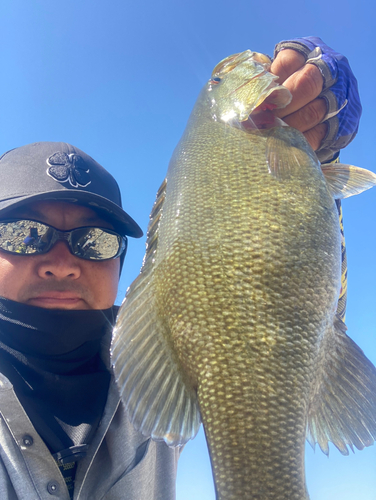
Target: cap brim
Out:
[121,220]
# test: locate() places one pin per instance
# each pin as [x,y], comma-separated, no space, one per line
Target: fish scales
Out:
[244,283]
[252,293]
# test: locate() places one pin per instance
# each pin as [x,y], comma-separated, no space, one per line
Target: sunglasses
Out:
[30,237]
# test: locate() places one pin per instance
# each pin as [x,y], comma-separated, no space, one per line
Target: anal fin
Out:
[343,407]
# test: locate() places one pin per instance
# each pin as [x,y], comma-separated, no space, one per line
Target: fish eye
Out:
[215,80]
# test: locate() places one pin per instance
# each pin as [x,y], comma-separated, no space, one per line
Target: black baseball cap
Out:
[61,172]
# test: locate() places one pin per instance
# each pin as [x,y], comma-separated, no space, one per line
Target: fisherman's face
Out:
[58,279]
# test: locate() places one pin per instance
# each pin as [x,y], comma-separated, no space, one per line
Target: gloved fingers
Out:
[339,90]
[316,135]
[305,85]
[306,111]
[316,52]
[286,63]
[332,141]
[326,64]
[308,116]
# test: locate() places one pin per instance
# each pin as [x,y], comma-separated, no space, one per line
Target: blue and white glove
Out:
[340,91]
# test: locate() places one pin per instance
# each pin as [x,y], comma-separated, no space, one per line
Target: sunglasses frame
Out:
[60,235]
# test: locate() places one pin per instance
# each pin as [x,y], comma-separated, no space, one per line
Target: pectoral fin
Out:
[343,405]
[347,180]
[286,151]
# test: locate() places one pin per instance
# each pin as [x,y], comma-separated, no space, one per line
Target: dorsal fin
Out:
[347,180]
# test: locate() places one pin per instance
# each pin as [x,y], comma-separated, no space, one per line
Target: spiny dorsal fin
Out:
[160,401]
[154,222]
[347,180]
[343,406]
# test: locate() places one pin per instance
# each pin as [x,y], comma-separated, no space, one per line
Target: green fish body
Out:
[232,319]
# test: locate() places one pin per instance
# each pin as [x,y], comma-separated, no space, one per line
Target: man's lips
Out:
[56,295]
[55,298]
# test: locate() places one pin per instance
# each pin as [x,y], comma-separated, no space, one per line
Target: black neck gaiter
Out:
[52,358]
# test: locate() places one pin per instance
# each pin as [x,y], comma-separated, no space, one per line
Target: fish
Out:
[232,321]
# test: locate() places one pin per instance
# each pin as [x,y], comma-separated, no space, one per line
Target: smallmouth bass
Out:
[232,319]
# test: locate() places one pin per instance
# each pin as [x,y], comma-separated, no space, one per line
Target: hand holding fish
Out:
[306,110]
[325,103]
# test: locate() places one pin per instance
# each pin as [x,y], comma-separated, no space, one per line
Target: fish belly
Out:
[247,281]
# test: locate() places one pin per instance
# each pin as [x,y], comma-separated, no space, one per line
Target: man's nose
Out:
[59,263]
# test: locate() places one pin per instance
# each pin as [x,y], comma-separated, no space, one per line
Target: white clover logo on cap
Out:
[71,168]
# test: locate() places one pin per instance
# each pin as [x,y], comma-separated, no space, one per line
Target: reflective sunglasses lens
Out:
[24,237]
[93,243]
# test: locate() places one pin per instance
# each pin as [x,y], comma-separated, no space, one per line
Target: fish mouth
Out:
[273,97]
[241,111]
[248,86]
[247,82]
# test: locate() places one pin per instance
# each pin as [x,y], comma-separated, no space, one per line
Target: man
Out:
[63,432]
[60,288]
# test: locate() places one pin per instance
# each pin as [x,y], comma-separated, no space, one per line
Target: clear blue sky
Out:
[118,79]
